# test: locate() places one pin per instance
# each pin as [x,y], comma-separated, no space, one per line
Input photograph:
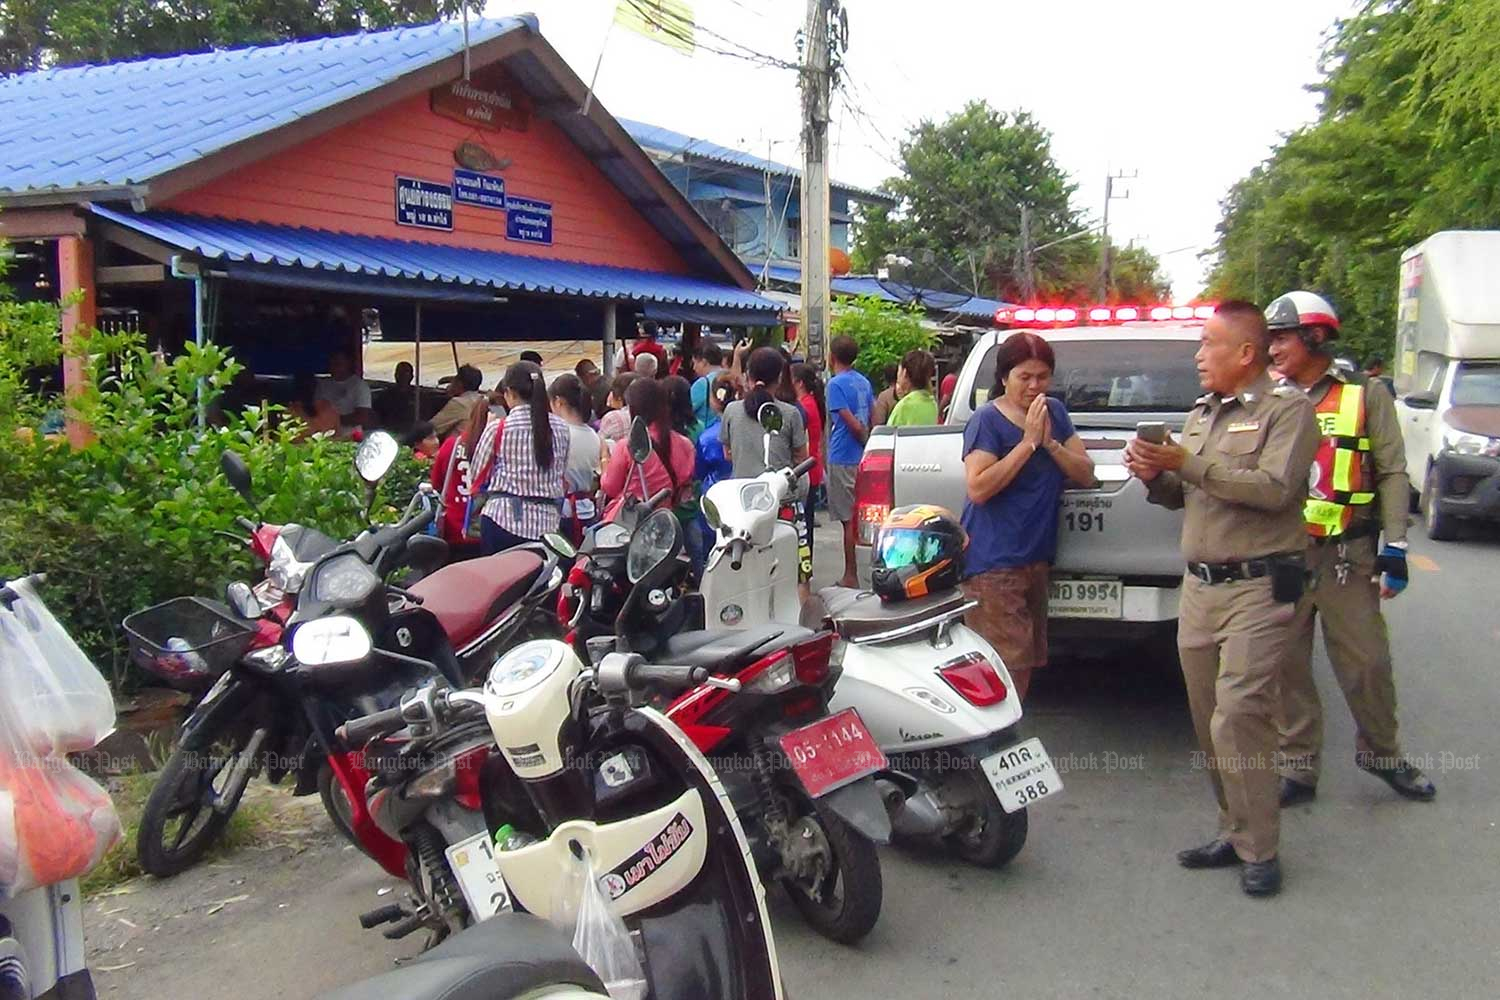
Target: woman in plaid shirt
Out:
[523,487]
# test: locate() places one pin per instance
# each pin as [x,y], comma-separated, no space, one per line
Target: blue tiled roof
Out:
[667,141]
[330,256]
[125,123]
[867,284]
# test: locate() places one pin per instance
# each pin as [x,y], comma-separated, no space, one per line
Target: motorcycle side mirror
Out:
[770,418]
[560,545]
[639,441]
[376,454]
[239,596]
[232,464]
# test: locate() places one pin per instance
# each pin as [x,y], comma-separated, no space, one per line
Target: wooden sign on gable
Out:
[489,100]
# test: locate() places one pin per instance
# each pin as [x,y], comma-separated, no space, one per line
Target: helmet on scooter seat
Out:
[917,551]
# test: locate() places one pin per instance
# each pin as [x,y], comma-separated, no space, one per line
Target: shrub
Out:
[135,517]
[884,331]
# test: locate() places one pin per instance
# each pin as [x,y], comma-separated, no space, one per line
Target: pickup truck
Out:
[1119,567]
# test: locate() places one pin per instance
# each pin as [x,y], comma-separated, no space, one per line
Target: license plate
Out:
[1021,775]
[832,752]
[484,888]
[1086,599]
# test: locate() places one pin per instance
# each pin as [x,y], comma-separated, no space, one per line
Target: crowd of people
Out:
[534,457]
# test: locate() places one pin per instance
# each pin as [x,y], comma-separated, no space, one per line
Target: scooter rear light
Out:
[812,659]
[974,679]
[779,674]
[874,492]
[808,706]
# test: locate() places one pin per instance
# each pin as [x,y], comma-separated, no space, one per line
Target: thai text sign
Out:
[528,220]
[427,204]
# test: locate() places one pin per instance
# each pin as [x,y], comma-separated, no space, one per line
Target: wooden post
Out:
[75,269]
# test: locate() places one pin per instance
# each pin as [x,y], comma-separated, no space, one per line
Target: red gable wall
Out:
[345,181]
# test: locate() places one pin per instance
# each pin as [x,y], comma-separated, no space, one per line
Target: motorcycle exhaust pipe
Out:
[915,815]
[389,913]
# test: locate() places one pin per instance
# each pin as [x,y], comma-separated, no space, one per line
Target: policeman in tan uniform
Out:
[1358,490]
[1240,474]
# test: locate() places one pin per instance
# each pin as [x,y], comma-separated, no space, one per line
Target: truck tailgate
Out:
[1111,530]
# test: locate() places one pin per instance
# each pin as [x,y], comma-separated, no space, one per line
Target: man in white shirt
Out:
[346,391]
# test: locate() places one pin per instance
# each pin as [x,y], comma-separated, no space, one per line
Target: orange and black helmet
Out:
[918,551]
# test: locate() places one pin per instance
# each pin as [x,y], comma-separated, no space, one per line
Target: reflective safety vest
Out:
[1343,476]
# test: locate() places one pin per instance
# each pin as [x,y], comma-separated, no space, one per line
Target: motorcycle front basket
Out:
[187,641]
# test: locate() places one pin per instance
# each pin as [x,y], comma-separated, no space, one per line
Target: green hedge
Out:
[130,520]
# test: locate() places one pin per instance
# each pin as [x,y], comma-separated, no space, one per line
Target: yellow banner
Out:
[669,22]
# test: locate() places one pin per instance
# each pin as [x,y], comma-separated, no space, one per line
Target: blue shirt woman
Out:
[1019,450]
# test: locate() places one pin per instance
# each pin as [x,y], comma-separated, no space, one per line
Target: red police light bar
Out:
[1066,315]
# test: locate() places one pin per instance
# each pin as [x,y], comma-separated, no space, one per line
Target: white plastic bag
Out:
[55,822]
[61,702]
[603,940]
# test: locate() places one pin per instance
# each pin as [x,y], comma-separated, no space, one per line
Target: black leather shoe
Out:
[1215,854]
[1407,780]
[1294,793]
[1261,878]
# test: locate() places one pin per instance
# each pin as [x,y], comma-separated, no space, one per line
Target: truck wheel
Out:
[1440,527]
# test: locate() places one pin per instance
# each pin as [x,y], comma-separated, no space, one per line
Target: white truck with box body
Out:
[1119,565]
[1447,376]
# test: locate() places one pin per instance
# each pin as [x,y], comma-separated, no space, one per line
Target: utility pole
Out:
[1104,250]
[827,28]
[1028,257]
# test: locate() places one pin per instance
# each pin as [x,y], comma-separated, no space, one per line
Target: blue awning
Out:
[322,260]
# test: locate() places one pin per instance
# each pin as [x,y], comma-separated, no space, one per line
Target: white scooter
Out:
[616,783]
[936,696]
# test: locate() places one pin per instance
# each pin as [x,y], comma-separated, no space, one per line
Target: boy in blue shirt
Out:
[850,401]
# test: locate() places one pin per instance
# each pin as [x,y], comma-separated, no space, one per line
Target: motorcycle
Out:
[614,784]
[268,709]
[799,778]
[935,695]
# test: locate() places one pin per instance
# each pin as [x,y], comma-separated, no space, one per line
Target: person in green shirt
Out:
[914,387]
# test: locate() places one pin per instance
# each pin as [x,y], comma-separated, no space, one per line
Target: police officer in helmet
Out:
[1358,491]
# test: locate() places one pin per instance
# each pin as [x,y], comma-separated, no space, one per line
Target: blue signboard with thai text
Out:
[470,187]
[427,204]
[528,220]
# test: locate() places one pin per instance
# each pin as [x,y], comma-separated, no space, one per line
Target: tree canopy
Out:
[40,33]
[962,187]
[1405,144]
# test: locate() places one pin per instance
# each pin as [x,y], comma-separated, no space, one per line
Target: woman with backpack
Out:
[670,464]
[523,458]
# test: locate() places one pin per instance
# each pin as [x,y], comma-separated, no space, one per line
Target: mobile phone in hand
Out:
[1152,431]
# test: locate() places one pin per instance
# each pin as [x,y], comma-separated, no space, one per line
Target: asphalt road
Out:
[1383,897]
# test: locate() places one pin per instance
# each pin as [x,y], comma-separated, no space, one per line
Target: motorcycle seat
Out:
[860,615]
[465,597]
[723,650]
[506,956]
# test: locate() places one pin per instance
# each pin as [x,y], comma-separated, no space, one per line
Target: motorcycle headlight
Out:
[284,571]
[330,640]
[344,581]
[711,514]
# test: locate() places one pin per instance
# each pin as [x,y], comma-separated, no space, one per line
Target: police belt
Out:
[1366,529]
[1249,569]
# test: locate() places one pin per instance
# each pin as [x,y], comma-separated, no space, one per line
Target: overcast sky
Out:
[1188,93]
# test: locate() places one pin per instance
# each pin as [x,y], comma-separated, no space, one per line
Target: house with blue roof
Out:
[269,197]
[754,204]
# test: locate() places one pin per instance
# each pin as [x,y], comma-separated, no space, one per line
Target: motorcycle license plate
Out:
[1021,775]
[832,752]
[484,888]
